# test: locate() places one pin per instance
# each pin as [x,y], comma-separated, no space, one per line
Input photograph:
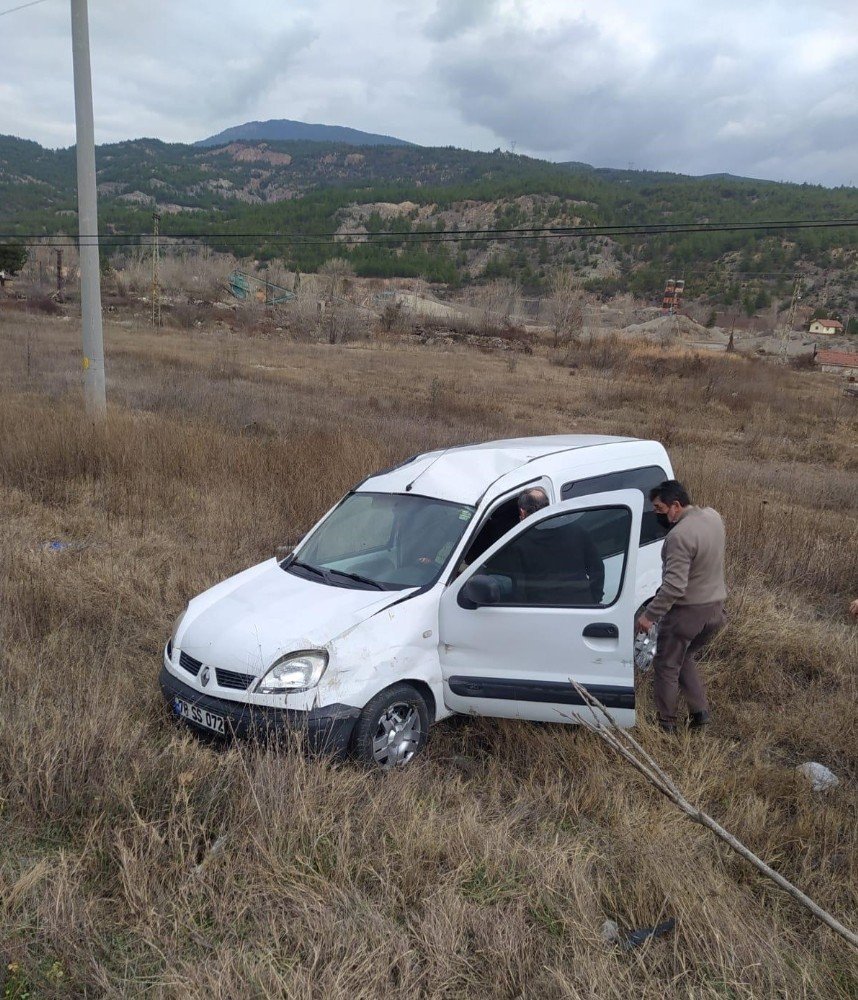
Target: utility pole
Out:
[156,260]
[59,275]
[87,208]
[790,320]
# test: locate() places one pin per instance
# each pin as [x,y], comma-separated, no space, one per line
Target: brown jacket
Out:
[692,563]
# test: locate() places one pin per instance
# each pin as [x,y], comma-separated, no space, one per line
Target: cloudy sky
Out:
[765,88]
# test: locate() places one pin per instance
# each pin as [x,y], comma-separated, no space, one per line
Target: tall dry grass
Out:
[135,860]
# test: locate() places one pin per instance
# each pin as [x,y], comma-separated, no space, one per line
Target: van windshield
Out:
[382,541]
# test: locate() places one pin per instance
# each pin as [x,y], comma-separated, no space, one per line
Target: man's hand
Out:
[643,624]
[853,607]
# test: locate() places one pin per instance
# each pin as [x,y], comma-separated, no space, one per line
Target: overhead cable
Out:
[462,235]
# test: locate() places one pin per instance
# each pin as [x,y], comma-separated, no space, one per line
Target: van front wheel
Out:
[392,728]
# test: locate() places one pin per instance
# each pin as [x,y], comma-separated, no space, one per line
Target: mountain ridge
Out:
[289,130]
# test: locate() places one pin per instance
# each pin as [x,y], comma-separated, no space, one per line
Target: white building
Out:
[826,326]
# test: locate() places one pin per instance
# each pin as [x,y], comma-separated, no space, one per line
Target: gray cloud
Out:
[778,104]
[244,85]
[453,17]
[765,88]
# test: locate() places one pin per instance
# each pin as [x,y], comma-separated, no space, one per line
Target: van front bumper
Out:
[325,729]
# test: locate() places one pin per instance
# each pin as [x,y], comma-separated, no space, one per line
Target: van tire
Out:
[400,714]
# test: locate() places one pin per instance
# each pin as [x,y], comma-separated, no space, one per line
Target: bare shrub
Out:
[40,269]
[278,274]
[394,316]
[44,304]
[341,321]
[496,302]
[603,352]
[566,305]
[197,274]
[624,308]
[187,315]
[250,317]
[803,362]
[303,315]
[336,272]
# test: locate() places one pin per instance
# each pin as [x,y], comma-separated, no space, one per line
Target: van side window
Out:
[572,560]
[628,479]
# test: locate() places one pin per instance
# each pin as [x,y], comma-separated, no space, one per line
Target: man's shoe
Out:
[697,720]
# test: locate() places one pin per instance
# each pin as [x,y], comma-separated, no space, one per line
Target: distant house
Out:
[838,363]
[826,326]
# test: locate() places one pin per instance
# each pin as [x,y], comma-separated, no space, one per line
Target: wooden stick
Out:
[628,747]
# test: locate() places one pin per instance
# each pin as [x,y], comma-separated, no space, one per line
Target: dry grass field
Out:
[135,861]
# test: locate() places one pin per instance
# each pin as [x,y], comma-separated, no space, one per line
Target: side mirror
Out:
[480,591]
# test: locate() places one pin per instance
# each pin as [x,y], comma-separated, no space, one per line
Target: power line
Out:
[296,242]
[391,239]
[460,235]
[11,10]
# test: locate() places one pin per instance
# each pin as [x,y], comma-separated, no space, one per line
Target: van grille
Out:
[232,679]
[189,663]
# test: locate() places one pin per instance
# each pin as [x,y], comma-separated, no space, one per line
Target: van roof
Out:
[463,474]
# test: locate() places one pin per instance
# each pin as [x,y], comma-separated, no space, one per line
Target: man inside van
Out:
[557,563]
[689,604]
[531,501]
[502,521]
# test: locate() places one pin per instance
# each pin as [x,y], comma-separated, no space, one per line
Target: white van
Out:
[421,594]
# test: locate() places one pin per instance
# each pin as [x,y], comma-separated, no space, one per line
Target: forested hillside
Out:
[306,189]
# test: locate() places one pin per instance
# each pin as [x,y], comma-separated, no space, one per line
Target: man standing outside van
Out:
[689,604]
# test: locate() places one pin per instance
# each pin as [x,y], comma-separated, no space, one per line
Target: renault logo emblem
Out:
[204,676]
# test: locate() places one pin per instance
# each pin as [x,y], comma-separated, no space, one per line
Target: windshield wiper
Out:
[358,578]
[323,573]
[326,574]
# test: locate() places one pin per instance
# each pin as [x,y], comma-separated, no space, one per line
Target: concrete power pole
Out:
[90,275]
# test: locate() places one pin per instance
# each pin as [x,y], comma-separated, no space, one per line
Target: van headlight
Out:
[294,672]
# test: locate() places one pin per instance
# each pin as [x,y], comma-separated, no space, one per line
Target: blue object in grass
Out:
[637,937]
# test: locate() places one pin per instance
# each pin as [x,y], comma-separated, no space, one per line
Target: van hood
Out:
[247,622]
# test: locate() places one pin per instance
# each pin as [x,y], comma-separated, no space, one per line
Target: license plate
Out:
[200,716]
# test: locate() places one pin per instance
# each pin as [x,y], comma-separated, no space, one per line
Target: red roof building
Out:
[839,362]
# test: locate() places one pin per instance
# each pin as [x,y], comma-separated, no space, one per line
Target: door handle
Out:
[602,630]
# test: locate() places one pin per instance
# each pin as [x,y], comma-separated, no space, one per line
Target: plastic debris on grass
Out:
[611,933]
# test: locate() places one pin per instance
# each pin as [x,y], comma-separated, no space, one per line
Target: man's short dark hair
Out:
[532,500]
[670,491]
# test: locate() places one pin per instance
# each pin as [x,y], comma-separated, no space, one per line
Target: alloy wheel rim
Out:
[397,736]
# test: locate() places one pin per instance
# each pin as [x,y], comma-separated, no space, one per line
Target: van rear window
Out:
[643,479]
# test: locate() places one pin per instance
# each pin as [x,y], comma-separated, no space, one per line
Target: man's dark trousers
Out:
[682,633]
